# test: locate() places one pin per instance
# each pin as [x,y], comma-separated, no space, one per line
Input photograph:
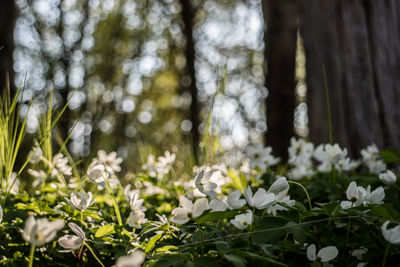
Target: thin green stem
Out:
[31,255]
[94,255]
[328,104]
[305,191]
[116,208]
[81,218]
[386,254]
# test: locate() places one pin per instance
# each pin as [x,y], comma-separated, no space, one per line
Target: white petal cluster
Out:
[161,167]
[300,157]
[41,231]
[137,215]
[110,161]
[242,221]
[135,259]
[73,242]
[188,208]
[11,185]
[325,254]
[332,155]
[280,189]
[39,176]
[260,200]
[388,177]
[261,157]
[391,235]
[60,164]
[234,201]
[358,195]
[102,175]
[203,183]
[80,201]
[35,155]
[277,193]
[371,159]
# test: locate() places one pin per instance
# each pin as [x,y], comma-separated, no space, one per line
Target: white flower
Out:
[39,176]
[217,205]
[260,200]
[80,201]
[135,202]
[242,221]
[72,242]
[261,156]
[60,164]
[134,260]
[168,160]
[324,254]
[329,155]
[202,182]
[392,235]
[358,253]
[374,197]
[356,195]
[279,188]
[372,160]
[13,184]
[234,201]
[388,177]
[111,160]
[346,164]
[99,174]
[136,219]
[35,154]
[300,171]
[300,152]
[181,215]
[41,231]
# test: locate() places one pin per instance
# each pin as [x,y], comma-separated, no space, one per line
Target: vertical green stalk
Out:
[386,254]
[94,255]
[328,104]
[117,212]
[305,191]
[81,218]
[31,255]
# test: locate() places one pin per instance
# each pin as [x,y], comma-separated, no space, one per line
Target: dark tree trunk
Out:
[187,17]
[280,35]
[359,44]
[7,22]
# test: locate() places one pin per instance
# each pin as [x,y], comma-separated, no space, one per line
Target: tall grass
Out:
[12,133]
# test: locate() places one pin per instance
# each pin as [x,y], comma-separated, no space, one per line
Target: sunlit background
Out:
[124,65]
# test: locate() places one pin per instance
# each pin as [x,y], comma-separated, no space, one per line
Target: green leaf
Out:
[105,230]
[166,248]
[168,260]
[216,215]
[236,260]
[30,206]
[205,261]
[390,155]
[150,245]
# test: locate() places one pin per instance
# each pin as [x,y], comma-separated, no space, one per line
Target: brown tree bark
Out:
[7,22]
[190,54]
[359,44]
[280,35]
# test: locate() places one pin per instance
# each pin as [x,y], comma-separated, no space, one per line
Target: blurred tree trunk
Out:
[358,42]
[7,22]
[187,16]
[280,35]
